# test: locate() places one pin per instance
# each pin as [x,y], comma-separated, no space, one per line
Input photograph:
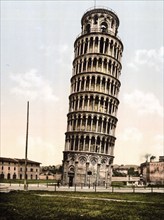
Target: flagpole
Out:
[94,3]
[25,168]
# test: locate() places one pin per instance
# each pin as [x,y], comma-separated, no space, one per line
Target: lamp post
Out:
[25,167]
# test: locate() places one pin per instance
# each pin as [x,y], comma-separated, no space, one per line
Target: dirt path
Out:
[100,199]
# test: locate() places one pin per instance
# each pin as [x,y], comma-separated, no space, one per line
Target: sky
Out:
[37,39]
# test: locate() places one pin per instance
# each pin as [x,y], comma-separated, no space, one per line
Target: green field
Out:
[79,205]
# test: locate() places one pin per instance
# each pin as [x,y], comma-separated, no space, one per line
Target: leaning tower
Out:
[93,101]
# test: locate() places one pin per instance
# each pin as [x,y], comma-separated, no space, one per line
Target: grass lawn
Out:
[80,205]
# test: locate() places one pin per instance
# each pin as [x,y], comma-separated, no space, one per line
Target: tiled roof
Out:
[17,160]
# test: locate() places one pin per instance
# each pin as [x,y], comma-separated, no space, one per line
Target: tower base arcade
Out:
[86,169]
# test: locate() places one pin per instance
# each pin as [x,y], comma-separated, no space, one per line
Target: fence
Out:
[6,187]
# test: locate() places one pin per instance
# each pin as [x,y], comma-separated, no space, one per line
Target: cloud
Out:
[47,50]
[151,58]
[38,149]
[158,144]
[144,103]
[32,86]
[154,149]
[131,134]
[59,50]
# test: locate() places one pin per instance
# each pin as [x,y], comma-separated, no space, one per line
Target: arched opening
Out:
[113,72]
[106,45]
[109,66]
[76,105]
[91,103]
[94,64]
[105,65]
[111,45]
[108,128]
[112,23]
[96,44]
[83,123]
[95,19]
[86,46]
[78,123]
[81,48]
[2,176]
[80,70]
[91,44]
[104,27]
[110,106]
[89,64]
[108,85]
[72,142]
[82,83]
[92,144]
[74,123]
[96,103]
[98,144]
[112,87]
[76,143]
[87,143]
[81,143]
[81,103]
[103,85]
[88,28]
[107,147]
[106,105]
[87,83]
[101,44]
[93,83]
[78,84]
[115,49]
[71,174]
[94,123]
[78,48]
[86,102]
[89,123]
[101,104]
[99,124]
[99,64]
[84,65]
[98,83]
[104,126]
[8,176]
[102,145]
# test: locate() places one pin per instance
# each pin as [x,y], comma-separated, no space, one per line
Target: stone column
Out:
[89,83]
[86,174]
[85,79]
[84,143]
[98,45]
[76,172]
[67,169]
[88,104]
[74,142]
[97,123]
[89,144]
[107,176]
[98,171]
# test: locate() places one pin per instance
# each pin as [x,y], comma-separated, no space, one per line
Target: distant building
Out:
[13,168]
[161,158]
[153,172]
[51,172]
[125,170]
[126,180]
